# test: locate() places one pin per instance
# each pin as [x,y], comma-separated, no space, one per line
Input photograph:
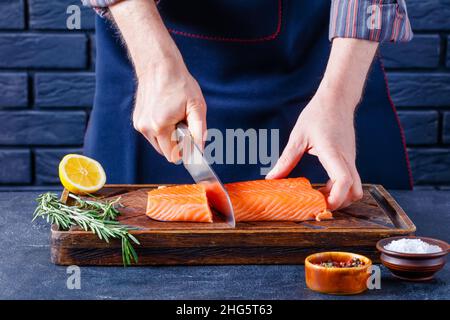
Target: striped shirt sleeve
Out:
[374,20]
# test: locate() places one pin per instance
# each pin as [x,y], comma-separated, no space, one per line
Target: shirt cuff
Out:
[374,20]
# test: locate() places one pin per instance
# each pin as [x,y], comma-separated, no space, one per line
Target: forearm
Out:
[148,41]
[346,72]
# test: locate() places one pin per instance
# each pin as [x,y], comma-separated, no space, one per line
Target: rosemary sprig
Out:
[107,210]
[98,217]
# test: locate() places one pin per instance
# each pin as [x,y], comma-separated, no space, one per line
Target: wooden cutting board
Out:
[356,229]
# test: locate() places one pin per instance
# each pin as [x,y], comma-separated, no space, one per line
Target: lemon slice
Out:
[80,174]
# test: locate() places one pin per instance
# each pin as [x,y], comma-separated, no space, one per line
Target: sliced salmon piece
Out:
[277,200]
[291,199]
[179,203]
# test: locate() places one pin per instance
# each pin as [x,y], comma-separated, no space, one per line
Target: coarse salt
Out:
[412,246]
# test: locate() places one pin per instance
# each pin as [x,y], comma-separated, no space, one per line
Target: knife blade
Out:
[202,173]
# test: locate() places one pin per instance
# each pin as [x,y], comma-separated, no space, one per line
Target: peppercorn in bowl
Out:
[337,272]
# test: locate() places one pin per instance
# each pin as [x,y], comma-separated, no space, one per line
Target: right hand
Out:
[166,95]
[166,92]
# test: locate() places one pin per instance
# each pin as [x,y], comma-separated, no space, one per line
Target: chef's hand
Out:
[165,97]
[325,129]
[166,92]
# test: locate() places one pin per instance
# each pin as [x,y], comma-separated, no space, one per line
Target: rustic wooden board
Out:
[356,229]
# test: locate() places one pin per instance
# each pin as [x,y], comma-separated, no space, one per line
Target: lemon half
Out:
[80,174]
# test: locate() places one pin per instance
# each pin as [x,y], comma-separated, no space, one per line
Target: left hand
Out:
[325,129]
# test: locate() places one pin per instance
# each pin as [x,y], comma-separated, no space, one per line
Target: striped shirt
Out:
[374,20]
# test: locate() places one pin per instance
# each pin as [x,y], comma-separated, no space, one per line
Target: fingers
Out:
[356,191]
[340,176]
[142,125]
[196,121]
[161,132]
[327,188]
[344,186]
[161,138]
[155,144]
[288,160]
[168,144]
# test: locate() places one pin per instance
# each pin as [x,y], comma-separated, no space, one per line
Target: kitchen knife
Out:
[202,173]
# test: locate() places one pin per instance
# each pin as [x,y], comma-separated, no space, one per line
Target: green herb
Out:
[98,217]
[107,210]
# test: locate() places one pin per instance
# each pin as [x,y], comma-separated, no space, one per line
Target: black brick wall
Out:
[47,87]
[419,78]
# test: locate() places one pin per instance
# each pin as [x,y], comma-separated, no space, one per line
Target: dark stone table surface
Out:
[27,273]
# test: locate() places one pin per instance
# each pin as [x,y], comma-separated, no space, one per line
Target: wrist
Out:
[158,62]
[147,40]
[335,95]
[336,100]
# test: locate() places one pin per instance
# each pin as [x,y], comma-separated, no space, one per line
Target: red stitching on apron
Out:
[216,38]
[402,133]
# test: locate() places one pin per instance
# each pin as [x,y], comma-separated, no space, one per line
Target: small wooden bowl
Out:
[336,280]
[413,266]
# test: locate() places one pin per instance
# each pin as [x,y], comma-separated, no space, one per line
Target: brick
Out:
[419,89]
[47,161]
[15,167]
[28,50]
[446,128]
[12,14]
[429,15]
[64,89]
[421,52]
[420,127]
[52,14]
[424,188]
[430,166]
[42,128]
[448,51]
[13,90]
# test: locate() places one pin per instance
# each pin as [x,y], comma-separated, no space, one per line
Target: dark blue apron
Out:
[258,63]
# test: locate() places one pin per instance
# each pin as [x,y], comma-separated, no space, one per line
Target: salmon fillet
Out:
[277,200]
[179,203]
[259,200]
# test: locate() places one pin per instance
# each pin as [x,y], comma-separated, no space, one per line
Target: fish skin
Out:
[292,199]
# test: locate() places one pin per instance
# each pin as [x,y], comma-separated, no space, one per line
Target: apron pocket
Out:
[223,20]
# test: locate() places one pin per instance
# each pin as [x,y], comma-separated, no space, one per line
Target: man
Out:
[252,64]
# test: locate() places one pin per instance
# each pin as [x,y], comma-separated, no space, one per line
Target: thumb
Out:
[287,161]
[196,121]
